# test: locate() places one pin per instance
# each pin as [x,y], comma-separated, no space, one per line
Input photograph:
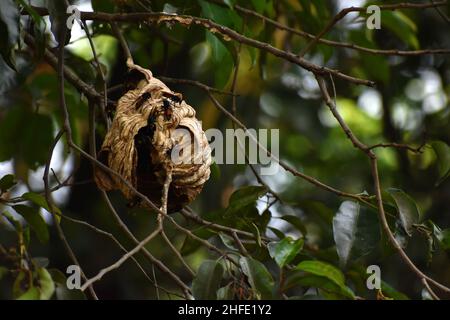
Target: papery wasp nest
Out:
[155,130]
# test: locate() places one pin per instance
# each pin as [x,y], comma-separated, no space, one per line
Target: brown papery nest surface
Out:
[154,130]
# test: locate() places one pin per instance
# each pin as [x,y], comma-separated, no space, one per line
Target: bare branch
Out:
[338,44]
[225,32]
[124,258]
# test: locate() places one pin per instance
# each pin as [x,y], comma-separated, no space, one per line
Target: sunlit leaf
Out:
[20,285]
[31,294]
[46,285]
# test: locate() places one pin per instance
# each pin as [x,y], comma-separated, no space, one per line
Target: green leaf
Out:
[376,67]
[3,272]
[296,222]
[230,3]
[20,285]
[284,251]
[207,281]
[444,239]
[277,232]
[253,53]
[215,171]
[226,293]
[442,236]
[323,269]
[407,209]
[31,294]
[227,241]
[40,262]
[39,27]
[25,135]
[168,8]
[37,138]
[392,292]
[221,56]
[221,15]
[222,60]
[41,202]
[258,276]
[402,26]
[243,197]
[102,6]
[257,234]
[190,245]
[356,231]
[442,151]
[43,290]
[46,284]
[13,221]
[323,283]
[35,220]
[259,5]
[61,290]
[6,182]
[9,28]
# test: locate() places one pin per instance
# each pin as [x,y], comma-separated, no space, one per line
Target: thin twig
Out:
[430,291]
[103,103]
[122,260]
[377,185]
[225,32]
[66,129]
[338,44]
[398,146]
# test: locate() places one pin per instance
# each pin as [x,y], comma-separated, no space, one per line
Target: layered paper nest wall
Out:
[153,131]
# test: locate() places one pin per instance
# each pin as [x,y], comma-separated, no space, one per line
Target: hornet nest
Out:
[154,130]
